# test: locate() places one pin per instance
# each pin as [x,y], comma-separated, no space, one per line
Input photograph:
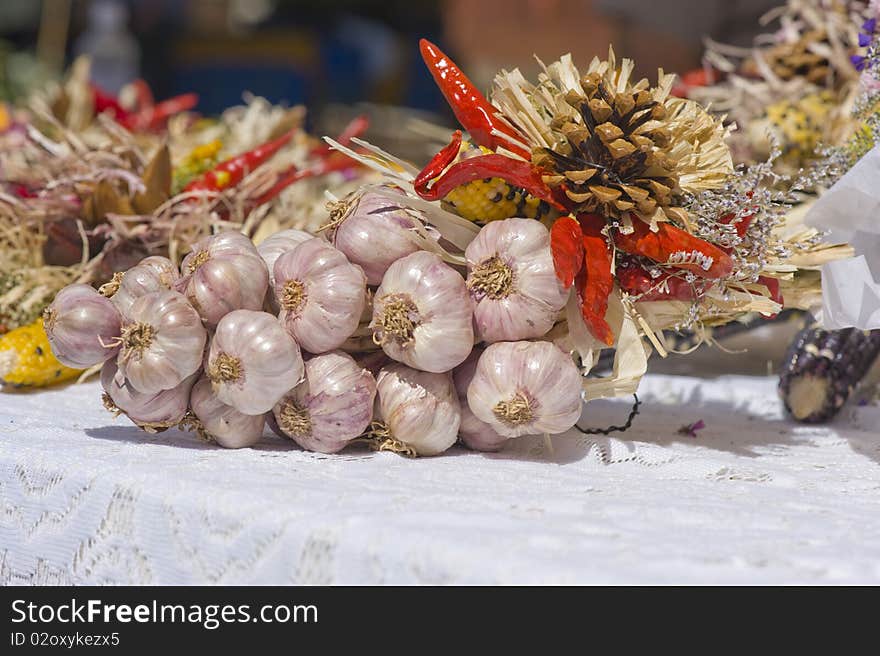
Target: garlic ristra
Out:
[162,342]
[419,409]
[83,327]
[152,412]
[321,295]
[475,434]
[525,388]
[331,407]
[252,361]
[223,273]
[152,274]
[373,231]
[222,423]
[512,281]
[422,314]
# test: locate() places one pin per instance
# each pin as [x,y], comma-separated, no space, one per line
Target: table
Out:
[753,498]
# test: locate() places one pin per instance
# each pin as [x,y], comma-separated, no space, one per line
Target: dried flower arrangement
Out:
[471,298]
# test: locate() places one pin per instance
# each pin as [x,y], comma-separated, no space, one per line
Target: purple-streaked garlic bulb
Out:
[223,273]
[419,409]
[280,242]
[152,274]
[525,388]
[474,433]
[152,412]
[162,342]
[373,231]
[331,407]
[422,314]
[252,361]
[83,327]
[512,281]
[321,295]
[222,423]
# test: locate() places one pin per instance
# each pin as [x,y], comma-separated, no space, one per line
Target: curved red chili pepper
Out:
[567,248]
[355,128]
[635,280]
[772,285]
[335,162]
[437,165]
[599,280]
[230,172]
[143,94]
[475,113]
[105,102]
[697,255]
[153,117]
[514,171]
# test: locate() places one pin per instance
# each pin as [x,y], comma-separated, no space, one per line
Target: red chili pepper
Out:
[514,171]
[105,102]
[772,284]
[697,255]
[335,162]
[230,172]
[698,77]
[567,247]
[22,191]
[635,280]
[355,128]
[599,280]
[143,94]
[476,114]
[153,117]
[438,164]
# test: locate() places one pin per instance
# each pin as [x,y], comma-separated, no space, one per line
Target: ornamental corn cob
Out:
[822,368]
[26,359]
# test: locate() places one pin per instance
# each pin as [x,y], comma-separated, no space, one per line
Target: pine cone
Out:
[794,59]
[613,161]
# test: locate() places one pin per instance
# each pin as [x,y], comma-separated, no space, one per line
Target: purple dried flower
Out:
[691,429]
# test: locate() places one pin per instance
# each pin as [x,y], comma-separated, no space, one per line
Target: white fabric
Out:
[753,498]
[848,210]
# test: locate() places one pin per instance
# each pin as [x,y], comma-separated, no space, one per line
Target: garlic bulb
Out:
[332,406]
[223,273]
[525,388]
[152,412]
[419,409]
[162,340]
[373,232]
[422,314]
[475,434]
[152,274]
[222,423]
[252,361]
[280,242]
[512,281]
[83,327]
[321,295]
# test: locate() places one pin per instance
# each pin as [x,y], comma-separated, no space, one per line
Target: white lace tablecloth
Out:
[753,498]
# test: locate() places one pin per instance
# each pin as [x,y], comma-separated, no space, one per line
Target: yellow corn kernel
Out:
[26,359]
[492,200]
